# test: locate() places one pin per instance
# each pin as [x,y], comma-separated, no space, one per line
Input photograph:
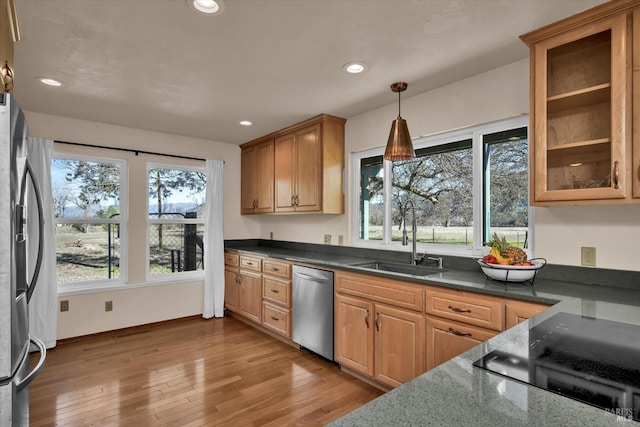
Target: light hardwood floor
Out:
[190,372]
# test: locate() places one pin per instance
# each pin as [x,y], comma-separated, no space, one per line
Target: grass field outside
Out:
[452,235]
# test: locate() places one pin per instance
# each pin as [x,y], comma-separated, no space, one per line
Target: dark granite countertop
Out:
[457,393]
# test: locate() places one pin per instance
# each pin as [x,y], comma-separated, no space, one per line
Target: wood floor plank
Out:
[190,372]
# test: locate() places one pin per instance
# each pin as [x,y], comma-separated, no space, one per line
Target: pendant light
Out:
[399,146]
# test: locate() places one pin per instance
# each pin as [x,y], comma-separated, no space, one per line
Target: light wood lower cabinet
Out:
[399,345]
[231,288]
[518,311]
[447,339]
[383,342]
[354,334]
[250,296]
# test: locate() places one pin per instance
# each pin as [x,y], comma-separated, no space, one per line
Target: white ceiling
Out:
[158,65]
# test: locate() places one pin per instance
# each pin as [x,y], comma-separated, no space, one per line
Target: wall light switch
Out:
[64,305]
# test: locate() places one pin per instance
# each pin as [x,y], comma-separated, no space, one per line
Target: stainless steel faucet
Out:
[415,258]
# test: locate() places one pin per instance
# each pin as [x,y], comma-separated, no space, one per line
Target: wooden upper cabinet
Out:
[580,133]
[298,168]
[307,172]
[256,163]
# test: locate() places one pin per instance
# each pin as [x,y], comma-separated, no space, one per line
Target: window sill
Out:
[84,288]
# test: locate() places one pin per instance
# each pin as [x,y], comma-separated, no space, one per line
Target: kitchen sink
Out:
[414,270]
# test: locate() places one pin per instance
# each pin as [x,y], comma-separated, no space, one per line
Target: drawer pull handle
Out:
[275,291]
[459,310]
[366,319]
[274,318]
[458,333]
[377,321]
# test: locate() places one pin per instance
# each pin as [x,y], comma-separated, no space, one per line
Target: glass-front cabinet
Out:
[581,111]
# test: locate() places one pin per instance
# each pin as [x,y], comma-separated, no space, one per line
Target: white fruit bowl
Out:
[513,273]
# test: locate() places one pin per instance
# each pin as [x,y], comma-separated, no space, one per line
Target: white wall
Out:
[494,95]
[497,94]
[141,304]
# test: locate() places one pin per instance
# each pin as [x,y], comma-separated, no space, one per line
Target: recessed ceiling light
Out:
[208,7]
[354,67]
[49,82]
[246,123]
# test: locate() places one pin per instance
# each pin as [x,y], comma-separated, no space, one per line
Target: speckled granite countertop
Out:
[457,393]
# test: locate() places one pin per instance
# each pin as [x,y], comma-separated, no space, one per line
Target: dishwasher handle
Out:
[314,278]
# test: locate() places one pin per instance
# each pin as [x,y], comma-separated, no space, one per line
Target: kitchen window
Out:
[176,220]
[465,185]
[90,211]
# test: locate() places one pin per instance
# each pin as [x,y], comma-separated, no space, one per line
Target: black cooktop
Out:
[595,361]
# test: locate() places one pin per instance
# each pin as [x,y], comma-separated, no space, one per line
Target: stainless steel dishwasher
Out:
[313,310]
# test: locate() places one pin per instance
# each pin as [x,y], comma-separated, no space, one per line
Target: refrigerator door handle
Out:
[31,286]
[36,370]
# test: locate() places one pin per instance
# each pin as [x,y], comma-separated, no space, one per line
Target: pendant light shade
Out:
[399,146]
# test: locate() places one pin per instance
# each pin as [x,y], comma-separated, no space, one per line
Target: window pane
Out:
[175,247]
[87,252]
[439,181]
[85,189]
[371,198]
[506,186]
[176,191]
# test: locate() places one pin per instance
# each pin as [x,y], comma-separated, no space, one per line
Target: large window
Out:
[89,207]
[465,186]
[176,219]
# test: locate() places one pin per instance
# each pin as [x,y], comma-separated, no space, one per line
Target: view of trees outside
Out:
[86,203]
[175,246]
[440,182]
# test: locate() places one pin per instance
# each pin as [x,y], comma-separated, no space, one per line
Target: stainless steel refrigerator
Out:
[18,273]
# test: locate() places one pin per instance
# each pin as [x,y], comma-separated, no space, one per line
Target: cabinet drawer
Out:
[277,319]
[382,290]
[466,307]
[250,263]
[277,291]
[447,339]
[276,268]
[231,259]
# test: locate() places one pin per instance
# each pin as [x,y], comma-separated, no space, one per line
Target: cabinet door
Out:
[264,164]
[399,345]
[308,170]
[248,181]
[284,173]
[447,339]
[635,167]
[250,296]
[354,334]
[231,288]
[519,311]
[581,114]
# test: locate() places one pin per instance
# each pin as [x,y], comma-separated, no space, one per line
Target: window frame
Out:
[180,275]
[98,284]
[475,134]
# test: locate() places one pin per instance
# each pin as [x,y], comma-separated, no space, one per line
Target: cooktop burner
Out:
[595,361]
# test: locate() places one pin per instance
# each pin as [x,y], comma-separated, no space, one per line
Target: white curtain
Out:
[214,243]
[43,313]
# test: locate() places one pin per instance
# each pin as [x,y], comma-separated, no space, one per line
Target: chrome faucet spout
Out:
[415,259]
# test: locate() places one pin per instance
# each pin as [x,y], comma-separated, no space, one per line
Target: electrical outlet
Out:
[64,305]
[327,239]
[271,235]
[340,239]
[588,256]
[108,306]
